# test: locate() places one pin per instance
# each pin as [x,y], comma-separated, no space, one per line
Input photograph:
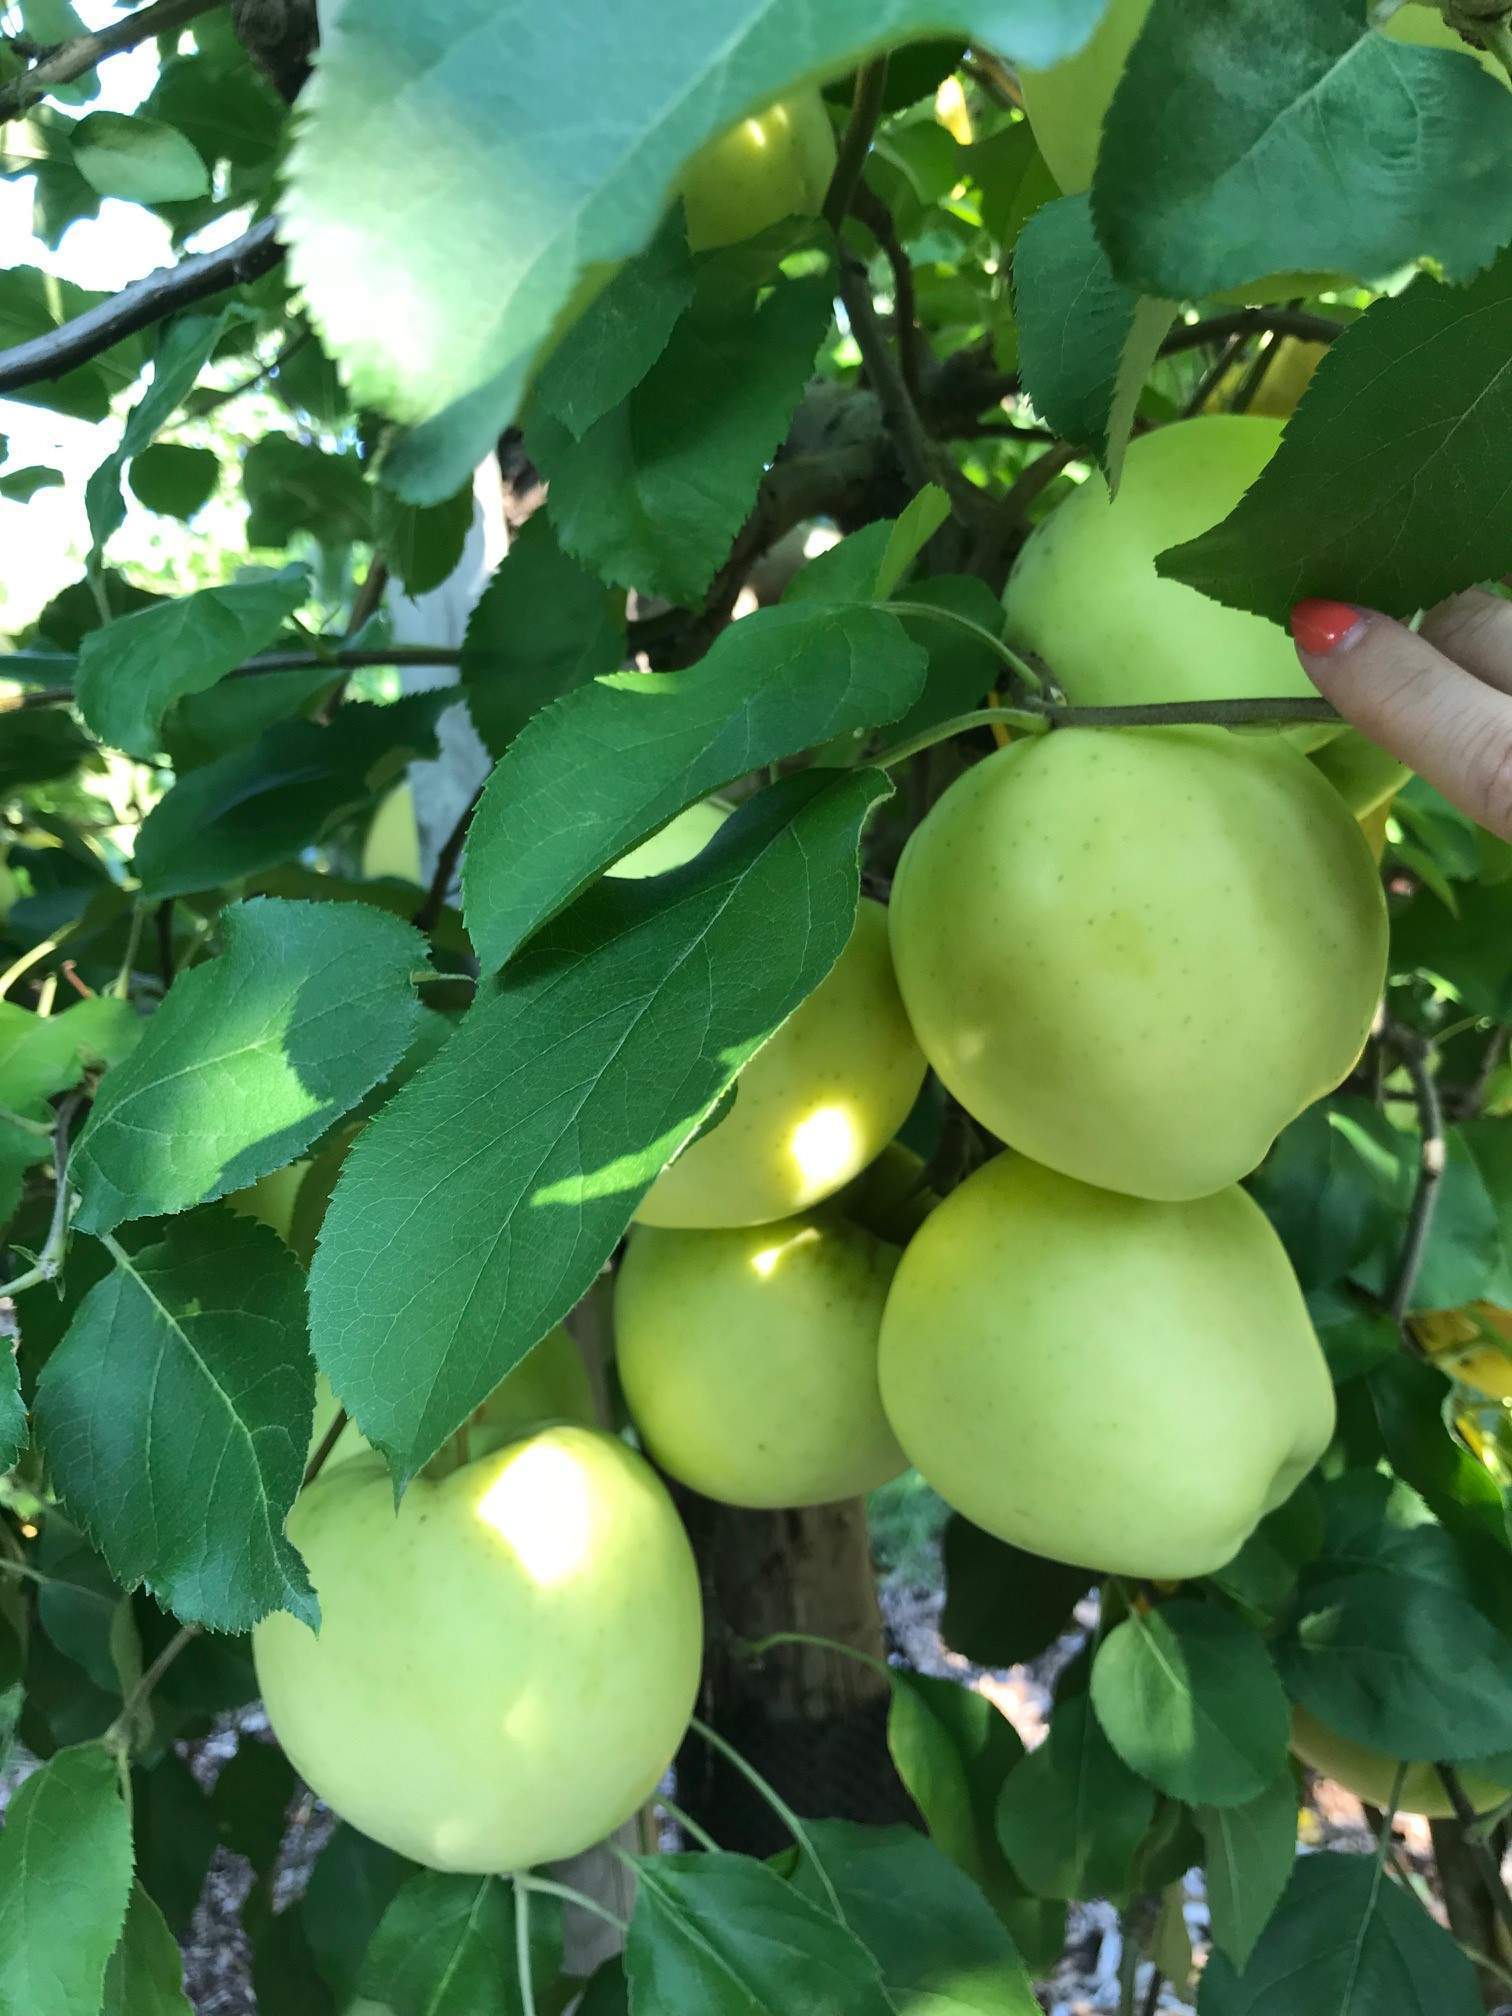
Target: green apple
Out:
[776,164]
[1288,375]
[1086,598]
[678,841]
[505,1665]
[1365,777]
[271,1200]
[748,1358]
[812,1107]
[1137,954]
[552,1384]
[1370,1774]
[1066,104]
[1123,1385]
[392,845]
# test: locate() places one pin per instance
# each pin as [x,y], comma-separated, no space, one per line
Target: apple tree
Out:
[665,857]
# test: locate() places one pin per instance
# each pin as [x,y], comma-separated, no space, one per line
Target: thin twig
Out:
[1215,374]
[1487,1865]
[328,1442]
[49,1261]
[916,452]
[1152,1994]
[1473,1097]
[429,913]
[149,300]
[336,658]
[866,110]
[1252,322]
[72,59]
[1414,1053]
[912,349]
[211,402]
[119,1733]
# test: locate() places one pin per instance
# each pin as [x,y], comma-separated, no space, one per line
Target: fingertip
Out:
[1320,627]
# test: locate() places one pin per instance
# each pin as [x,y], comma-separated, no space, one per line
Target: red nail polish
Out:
[1321,627]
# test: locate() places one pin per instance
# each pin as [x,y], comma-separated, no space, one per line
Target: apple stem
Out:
[694,1829]
[778,1805]
[523,1880]
[522,1948]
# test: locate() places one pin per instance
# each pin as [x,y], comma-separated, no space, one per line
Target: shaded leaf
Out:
[1428,513]
[446,1947]
[251,1057]
[141,160]
[1072,1814]
[175,1416]
[1250,1852]
[600,1054]
[132,670]
[1002,1605]
[65,1876]
[173,478]
[145,1975]
[555,813]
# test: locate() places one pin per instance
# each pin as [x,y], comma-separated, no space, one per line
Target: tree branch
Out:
[73,59]
[145,302]
[1414,1053]
[912,350]
[1252,322]
[338,660]
[866,110]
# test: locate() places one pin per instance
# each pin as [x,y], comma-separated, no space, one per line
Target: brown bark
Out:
[811,1721]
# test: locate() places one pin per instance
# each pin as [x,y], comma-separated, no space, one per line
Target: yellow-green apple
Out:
[775,164]
[392,844]
[1123,1385]
[812,1107]
[505,1665]
[748,1358]
[1371,1775]
[1086,598]
[1137,954]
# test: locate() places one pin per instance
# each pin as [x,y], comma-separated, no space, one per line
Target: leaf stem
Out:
[118,1735]
[523,1880]
[121,986]
[49,1261]
[778,1805]
[694,1829]
[522,1948]
[1034,717]
[754,1648]
[1415,1054]
[1019,666]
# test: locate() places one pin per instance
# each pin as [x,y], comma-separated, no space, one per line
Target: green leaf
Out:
[145,1976]
[175,1837]
[19,486]
[37,748]
[1309,140]
[33,303]
[953,1749]
[251,1057]
[1003,1606]
[132,670]
[603,355]
[1263,1574]
[258,807]
[1086,342]
[1469,1252]
[1010,171]
[1407,1398]
[353,1883]
[1188,1697]
[251,1800]
[1365,1648]
[1428,514]
[1072,1814]
[489,99]
[42,1055]
[608,1992]
[496,1184]
[554,813]
[204,726]
[1250,1852]
[723,1932]
[940,1946]
[1347,1941]
[962,669]
[174,479]
[422,544]
[655,491]
[1331,1186]
[184,345]
[14,1432]
[542,626]
[174,1417]
[1469,951]
[140,160]
[294,486]
[446,1947]
[65,1876]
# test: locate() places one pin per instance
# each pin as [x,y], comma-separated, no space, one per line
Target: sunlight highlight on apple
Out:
[541,1506]
[827,1146]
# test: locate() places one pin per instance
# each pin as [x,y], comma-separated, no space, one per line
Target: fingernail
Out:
[1320,627]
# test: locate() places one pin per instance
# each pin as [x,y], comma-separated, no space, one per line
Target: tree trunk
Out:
[811,1721]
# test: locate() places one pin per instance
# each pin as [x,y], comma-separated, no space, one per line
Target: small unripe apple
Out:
[1137,954]
[1086,598]
[678,841]
[775,164]
[1371,1775]
[812,1107]
[392,843]
[505,1666]
[748,1358]
[1123,1385]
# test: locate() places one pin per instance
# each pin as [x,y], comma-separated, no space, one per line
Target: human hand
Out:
[1439,700]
